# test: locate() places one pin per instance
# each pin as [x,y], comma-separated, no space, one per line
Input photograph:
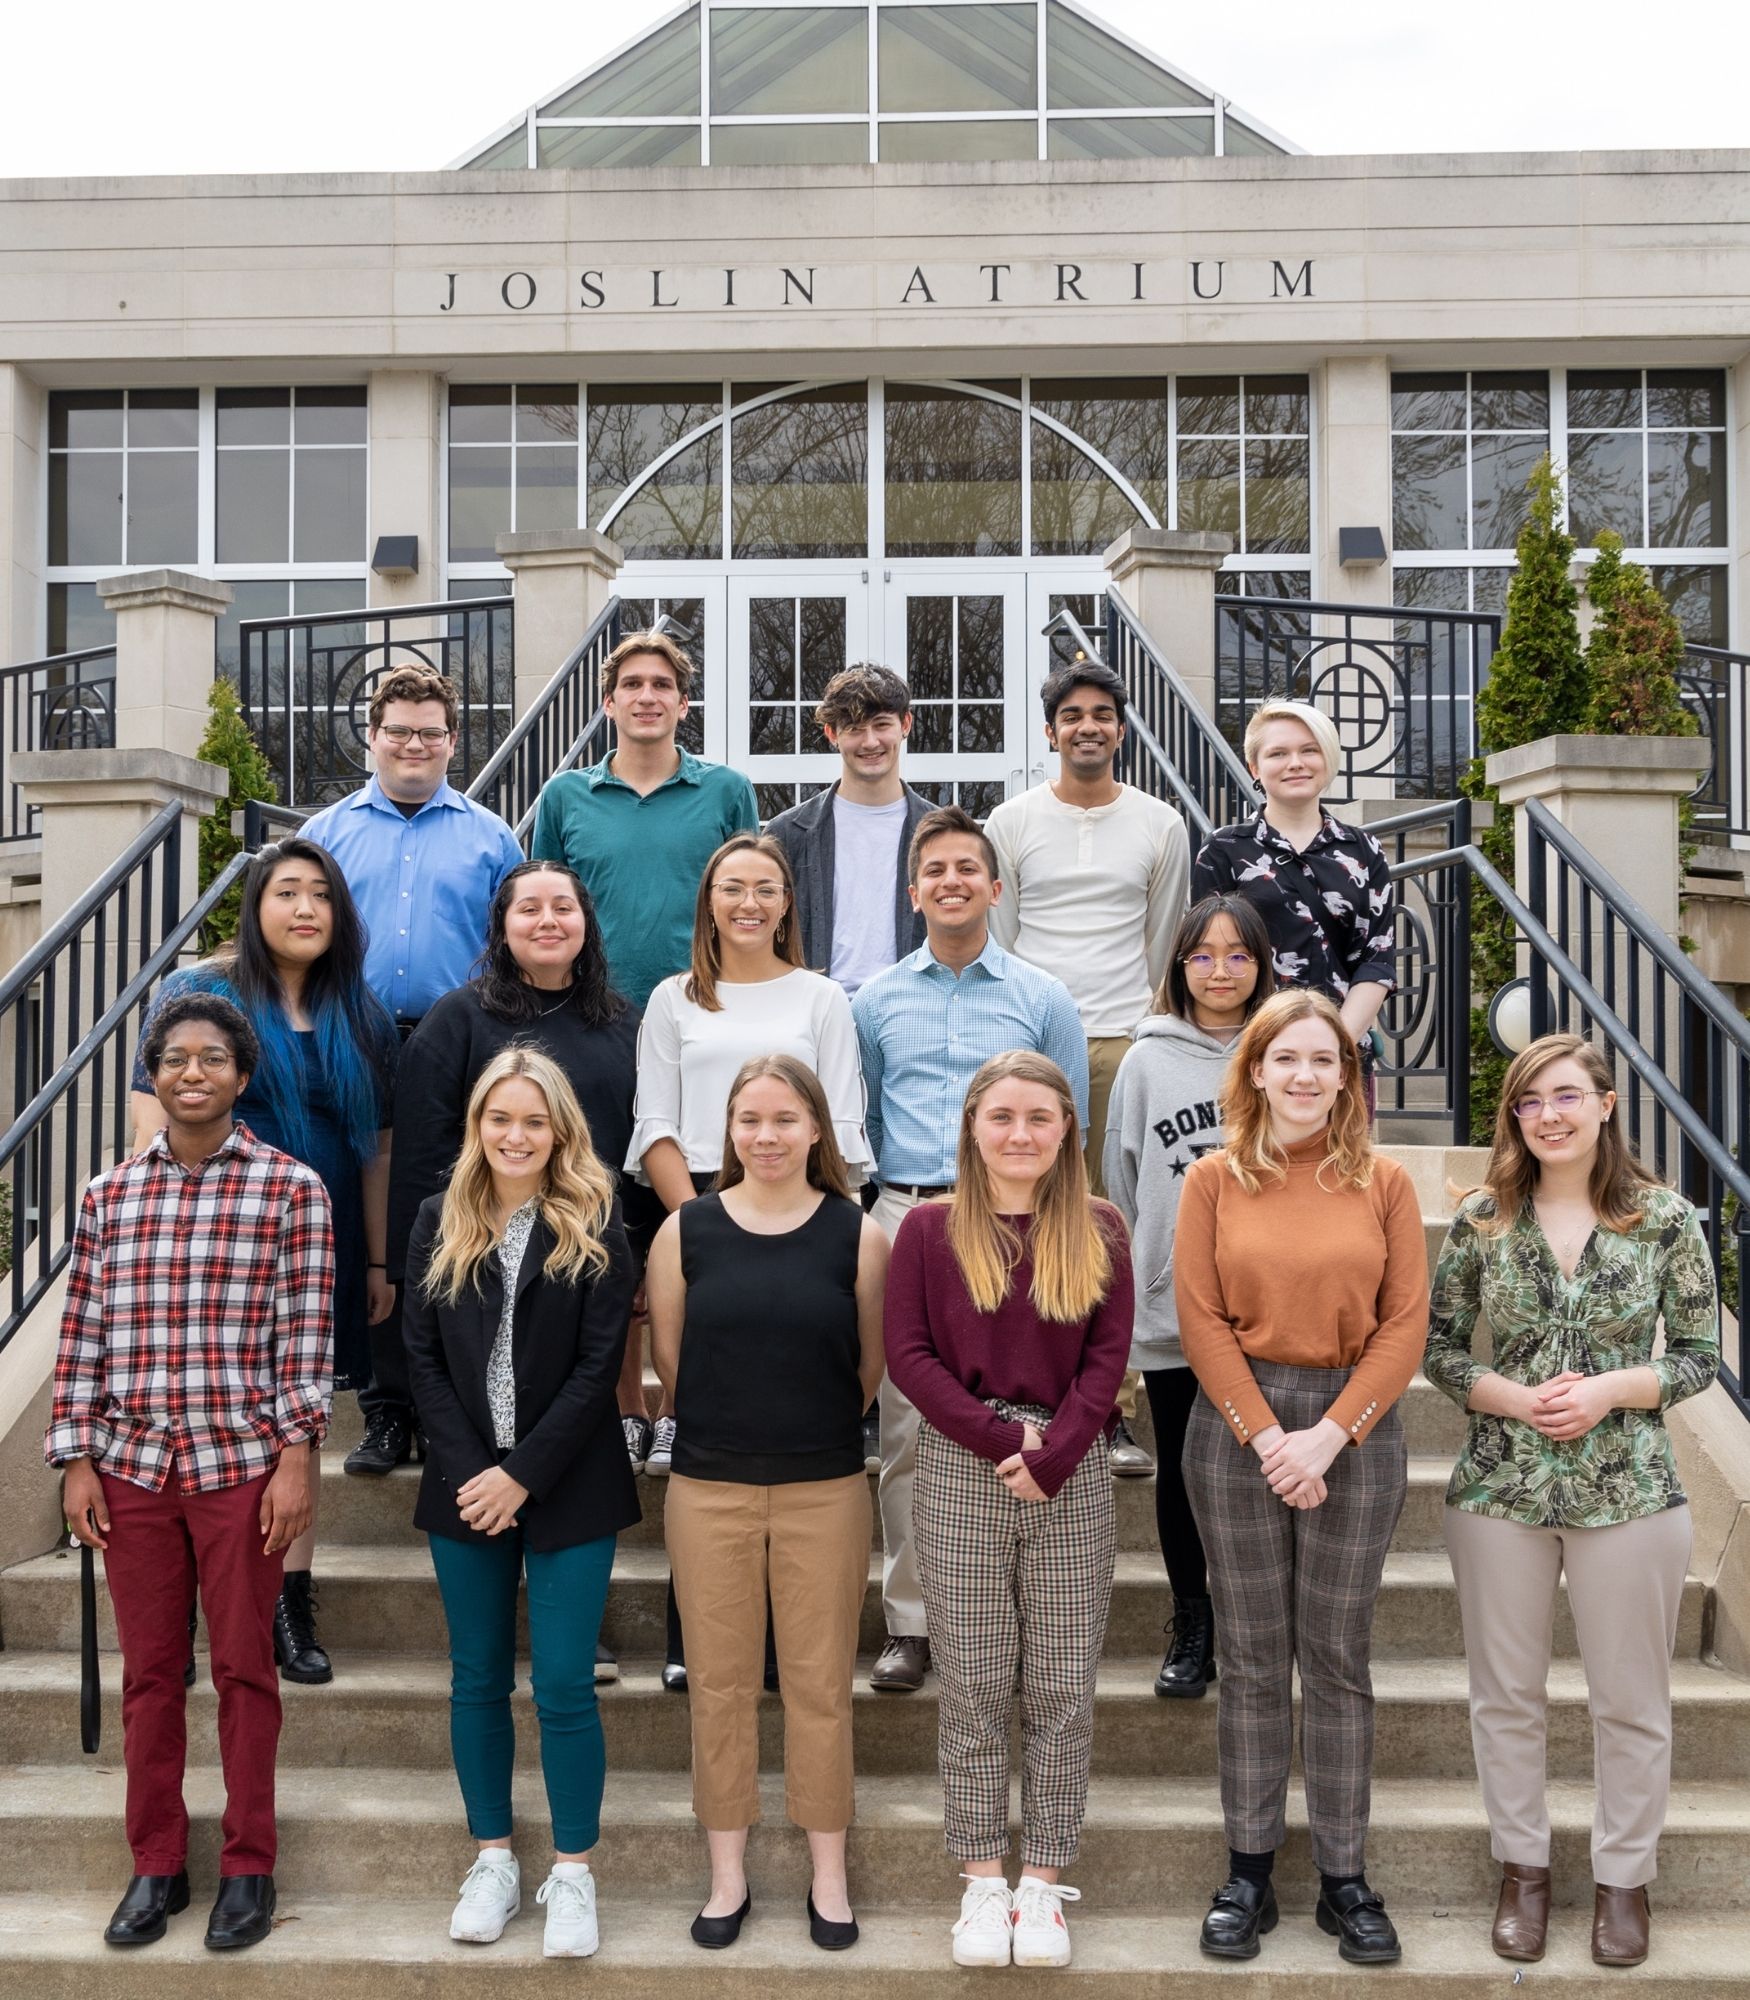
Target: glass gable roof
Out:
[861,80]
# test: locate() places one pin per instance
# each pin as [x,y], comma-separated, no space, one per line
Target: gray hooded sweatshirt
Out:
[1164,1116]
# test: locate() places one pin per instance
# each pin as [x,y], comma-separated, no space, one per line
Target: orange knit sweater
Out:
[1303,1274]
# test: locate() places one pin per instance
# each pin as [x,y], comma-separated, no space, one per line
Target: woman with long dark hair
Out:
[1165,1115]
[765,1322]
[322,1092]
[1008,1325]
[1578,1258]
[519,1281]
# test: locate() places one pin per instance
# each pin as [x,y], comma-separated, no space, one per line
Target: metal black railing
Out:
[65,702]
[306,682]
[1715,684]
[564,727]
[1400,684]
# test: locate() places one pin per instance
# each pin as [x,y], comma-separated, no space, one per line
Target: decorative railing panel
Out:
[1716,687]
[66,702]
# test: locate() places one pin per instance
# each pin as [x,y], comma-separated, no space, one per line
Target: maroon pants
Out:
[159,1545]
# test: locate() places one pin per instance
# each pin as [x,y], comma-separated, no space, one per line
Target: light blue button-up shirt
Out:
[423,887]
[924,1034]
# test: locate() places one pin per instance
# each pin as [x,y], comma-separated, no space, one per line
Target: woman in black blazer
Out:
[515,1322]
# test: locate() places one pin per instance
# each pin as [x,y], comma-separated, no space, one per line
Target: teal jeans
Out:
[568,1589]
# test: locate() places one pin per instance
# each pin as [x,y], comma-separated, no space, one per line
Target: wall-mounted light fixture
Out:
[396,555]
[1360,548]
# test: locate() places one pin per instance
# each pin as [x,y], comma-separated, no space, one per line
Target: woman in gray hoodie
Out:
[1164,1115]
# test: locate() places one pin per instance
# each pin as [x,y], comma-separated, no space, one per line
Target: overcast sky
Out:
[327,86]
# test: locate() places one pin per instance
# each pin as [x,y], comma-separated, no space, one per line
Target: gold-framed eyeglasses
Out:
[1203,963]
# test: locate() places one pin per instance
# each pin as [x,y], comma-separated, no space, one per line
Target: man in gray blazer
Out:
[847,846]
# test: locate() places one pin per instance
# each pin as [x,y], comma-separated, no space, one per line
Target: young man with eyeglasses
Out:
[191,1390]
[637,830]
[423,862]
[1096,874]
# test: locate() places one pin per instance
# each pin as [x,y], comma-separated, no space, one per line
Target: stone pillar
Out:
[164,622]
[563,580]
[1741,485]
[21,523]
[1352,461]
[1167,577]
[406,473]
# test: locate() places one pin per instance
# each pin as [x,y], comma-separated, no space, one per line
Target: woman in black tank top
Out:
[765,1323]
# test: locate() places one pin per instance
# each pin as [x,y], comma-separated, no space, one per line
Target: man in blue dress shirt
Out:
[925,1027]
[423,864]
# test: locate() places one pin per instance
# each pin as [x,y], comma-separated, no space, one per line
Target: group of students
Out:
[1032,1125]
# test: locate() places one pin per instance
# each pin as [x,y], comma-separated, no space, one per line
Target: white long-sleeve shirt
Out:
[688,1059]
[1092,896]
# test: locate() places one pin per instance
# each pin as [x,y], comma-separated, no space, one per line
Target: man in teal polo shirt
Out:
[638,827]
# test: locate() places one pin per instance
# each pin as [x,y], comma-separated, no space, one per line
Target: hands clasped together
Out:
[1295,1462]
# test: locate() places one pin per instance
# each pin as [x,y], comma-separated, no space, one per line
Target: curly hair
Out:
[508,996]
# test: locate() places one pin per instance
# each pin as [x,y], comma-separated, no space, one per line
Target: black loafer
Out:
[142,1916]
[1240,1912]
[1356,1918]
[830,1936]
[242,1914]
[716,1932]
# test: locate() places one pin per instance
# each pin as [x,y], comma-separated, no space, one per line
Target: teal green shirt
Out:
[641,858]
[1605,1316]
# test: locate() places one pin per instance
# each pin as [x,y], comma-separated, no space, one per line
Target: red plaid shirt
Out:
[199,1323]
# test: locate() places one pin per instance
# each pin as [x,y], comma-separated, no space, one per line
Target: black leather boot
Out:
[242,1912]
[294,1633]
[1190,1663]
[142,1915]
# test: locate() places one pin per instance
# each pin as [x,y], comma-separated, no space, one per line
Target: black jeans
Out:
[1172,1396]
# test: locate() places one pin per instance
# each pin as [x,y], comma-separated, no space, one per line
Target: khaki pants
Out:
[1105,1053]
[902,1597]
[808,1544]
[1625,1586]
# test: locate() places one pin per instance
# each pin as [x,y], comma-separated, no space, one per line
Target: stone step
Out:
[1437,1170]
[385,1599]
[359,1947]
[356,1511]
[1149,1846]
[389,1708]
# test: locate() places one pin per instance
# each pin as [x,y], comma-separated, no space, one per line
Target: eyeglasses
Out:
[213,1061]
[400,734]
[1203,963]
[769,894]
[1563,1102]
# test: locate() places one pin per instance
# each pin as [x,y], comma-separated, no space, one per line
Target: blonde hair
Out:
[576,1197]
[1252,1154]
[1510,1179]
[707,967]
[826,1164]
[1071,1264]
[1324,732]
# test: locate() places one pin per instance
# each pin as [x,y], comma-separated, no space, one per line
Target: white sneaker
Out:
[981,1937]
[1041,1935]
[570,1899]
[491,1895]
[661,1460]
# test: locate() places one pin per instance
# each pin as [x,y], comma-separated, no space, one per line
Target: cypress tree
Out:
[230,744]
[1635,653]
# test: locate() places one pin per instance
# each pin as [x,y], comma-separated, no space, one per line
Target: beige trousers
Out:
[1105,1053]
[1625,1586]
[808,1544]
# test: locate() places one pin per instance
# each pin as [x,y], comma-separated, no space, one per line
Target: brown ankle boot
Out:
[1522,1914]
[1621,1919]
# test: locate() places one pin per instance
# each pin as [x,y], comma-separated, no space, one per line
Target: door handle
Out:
[1036,775]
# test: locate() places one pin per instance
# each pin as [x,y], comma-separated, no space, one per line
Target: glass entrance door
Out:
[788,636]
[958,638]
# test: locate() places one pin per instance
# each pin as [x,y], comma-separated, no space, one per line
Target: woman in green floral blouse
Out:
[1573,1253]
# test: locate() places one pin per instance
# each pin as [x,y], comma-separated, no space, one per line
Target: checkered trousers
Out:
[1014,1590]
[1295,1585]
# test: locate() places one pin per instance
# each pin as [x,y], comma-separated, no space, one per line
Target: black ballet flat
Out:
[830,1936]
[716,1932]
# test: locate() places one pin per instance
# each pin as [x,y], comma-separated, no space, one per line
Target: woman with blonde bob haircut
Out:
[765,1324]
[1575,1255]
[1302,1286]
[520,1285]
[1008,1325]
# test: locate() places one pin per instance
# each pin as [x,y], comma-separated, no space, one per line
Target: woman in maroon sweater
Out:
[1008,1323]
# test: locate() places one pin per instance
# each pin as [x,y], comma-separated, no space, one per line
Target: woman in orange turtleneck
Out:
[1302,1284]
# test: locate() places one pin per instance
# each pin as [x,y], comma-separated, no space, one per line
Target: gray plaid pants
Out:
[1015,1591]
[1295,1585]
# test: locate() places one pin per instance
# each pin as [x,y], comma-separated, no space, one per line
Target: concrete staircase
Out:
[373,1842]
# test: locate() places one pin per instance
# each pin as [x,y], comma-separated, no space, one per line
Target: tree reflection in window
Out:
[799,474]
[678,511]
[953,473]
[1077,511]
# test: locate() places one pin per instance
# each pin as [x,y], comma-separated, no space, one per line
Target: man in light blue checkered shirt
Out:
[925,1026]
